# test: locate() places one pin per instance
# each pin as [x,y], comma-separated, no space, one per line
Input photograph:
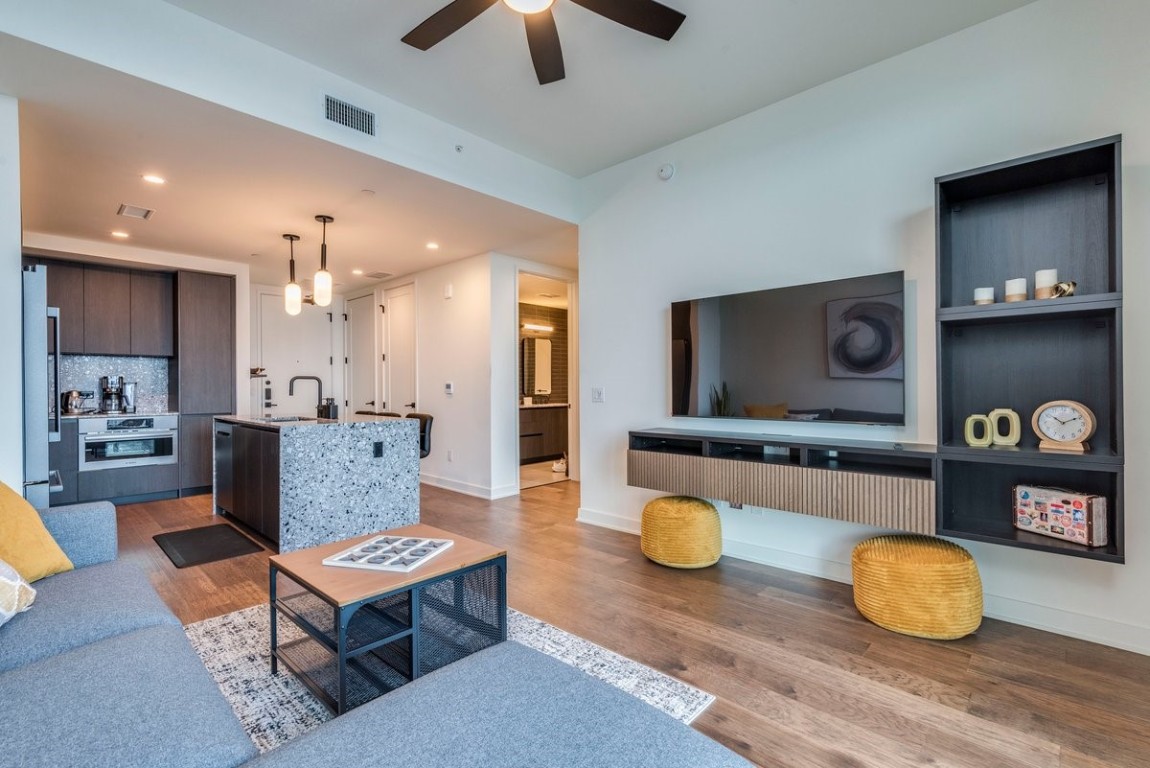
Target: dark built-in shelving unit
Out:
[1059,209]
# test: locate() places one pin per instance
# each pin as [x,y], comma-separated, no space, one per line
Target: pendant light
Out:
[322,282]
[293,294]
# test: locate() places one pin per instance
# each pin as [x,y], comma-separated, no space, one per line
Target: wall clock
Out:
[1063,425]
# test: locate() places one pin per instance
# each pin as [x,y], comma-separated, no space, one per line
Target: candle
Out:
[1044,280]
[984,295]
[1016,289]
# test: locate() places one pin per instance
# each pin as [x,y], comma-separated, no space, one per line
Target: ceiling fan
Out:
[646,16]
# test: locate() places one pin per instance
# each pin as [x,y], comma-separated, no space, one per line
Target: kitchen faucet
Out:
[318,383]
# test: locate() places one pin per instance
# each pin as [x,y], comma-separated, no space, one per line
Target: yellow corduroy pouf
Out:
[682,532]
[917,585]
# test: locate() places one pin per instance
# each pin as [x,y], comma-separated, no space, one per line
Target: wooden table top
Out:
[343,586]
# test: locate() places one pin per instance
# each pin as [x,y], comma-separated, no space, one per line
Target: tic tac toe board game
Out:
[389,553]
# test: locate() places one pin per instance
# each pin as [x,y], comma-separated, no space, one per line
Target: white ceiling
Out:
[625,93]
[236,183]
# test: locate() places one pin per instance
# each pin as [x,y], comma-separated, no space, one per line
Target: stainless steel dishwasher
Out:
[222,447]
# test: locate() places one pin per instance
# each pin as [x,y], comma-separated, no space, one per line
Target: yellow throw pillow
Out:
[776,411]
[15,594]
[25,543]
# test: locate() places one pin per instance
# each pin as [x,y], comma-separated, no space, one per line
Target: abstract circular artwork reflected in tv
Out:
[871,339]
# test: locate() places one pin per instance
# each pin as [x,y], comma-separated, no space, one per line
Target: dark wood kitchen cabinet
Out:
[205,343]
[152,315]
[66,291]
[107,304]
[255,479]
[195,454]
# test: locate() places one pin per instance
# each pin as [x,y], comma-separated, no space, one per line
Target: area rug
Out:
[196,546]
[276,708]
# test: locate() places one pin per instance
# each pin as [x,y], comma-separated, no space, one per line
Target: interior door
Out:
[294,346]
[399,349]
[362,359]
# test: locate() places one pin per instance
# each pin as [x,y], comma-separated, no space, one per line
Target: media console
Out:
[889,485]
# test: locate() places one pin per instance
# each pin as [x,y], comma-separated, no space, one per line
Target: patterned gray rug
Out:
[273,709]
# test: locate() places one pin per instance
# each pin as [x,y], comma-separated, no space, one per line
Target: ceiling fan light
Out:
[528,6]
[293,299]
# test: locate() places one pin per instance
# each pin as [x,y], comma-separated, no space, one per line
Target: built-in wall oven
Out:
[107,443]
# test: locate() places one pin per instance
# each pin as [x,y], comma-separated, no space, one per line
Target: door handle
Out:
[409,405]
[370,402]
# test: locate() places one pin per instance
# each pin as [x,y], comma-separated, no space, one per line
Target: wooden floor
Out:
[801,678]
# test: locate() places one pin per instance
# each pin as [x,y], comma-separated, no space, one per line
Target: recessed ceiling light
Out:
[357,271]
[433,246]
[119,234]
[152,178]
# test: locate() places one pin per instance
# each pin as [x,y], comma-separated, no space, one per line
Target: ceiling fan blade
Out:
[646,16]
[546,52]
[447,20]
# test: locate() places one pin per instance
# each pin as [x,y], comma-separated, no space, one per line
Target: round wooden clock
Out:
[1063,425]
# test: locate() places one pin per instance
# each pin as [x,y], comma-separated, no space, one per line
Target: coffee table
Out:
[367,632]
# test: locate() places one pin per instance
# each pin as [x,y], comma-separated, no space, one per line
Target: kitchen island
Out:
[303,481]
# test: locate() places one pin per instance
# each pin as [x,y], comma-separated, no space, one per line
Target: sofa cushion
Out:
[140,699]
[504,706]
[16,594]
[79,607]
[24,541]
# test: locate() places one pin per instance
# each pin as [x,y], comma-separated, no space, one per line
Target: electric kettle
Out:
[72,401]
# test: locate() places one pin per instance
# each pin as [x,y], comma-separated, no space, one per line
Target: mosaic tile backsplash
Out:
[150,374]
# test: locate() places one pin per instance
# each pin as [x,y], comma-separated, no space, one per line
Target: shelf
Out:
[1034,309]
[1030,455]
[1010,536]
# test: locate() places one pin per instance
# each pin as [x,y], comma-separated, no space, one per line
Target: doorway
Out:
[544,390]
[399,350]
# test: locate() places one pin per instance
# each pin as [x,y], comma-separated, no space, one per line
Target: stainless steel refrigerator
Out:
[41,386]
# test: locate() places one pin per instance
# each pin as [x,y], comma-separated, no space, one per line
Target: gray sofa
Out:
[99,672]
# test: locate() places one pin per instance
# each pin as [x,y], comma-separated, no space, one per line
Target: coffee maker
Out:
[112,394]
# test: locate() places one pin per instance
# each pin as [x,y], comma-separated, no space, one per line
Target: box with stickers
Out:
[1062,514]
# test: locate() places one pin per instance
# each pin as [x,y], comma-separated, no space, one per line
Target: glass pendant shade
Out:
[293,299]
[528,6]
[321,285]
[293,294]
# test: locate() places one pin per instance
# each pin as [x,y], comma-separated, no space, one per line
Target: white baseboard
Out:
[468,489]
[1117,634]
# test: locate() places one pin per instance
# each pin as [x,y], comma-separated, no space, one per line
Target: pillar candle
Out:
[1016,289]
[1044,280]
[984,295]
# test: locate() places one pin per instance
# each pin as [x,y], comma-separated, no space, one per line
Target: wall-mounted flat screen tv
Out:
[824,352]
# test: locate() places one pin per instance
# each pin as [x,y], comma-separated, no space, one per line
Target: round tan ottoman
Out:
[917,585]
[682,532]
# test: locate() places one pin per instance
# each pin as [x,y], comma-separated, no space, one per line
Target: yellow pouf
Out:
[682,532]
[917,585]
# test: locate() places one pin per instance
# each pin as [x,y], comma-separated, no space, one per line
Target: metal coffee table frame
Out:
[341,620]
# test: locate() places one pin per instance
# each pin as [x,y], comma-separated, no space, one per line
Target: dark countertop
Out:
[545,405]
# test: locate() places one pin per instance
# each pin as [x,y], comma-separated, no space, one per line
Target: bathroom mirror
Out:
[535,367]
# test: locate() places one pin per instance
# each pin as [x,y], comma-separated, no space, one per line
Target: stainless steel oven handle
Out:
[105,437]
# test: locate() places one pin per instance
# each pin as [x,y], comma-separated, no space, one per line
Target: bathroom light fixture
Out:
[293,294]
[322,281]
[538,327]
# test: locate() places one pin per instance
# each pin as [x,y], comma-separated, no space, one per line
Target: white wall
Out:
[11,302]
[838,181]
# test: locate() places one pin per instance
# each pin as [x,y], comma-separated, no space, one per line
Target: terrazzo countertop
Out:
[275,422]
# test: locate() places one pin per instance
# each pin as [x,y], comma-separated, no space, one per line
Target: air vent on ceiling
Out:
[353,117]
[134,211]
[378,275]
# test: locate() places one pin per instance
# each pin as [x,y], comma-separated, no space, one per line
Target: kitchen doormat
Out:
[196,546]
